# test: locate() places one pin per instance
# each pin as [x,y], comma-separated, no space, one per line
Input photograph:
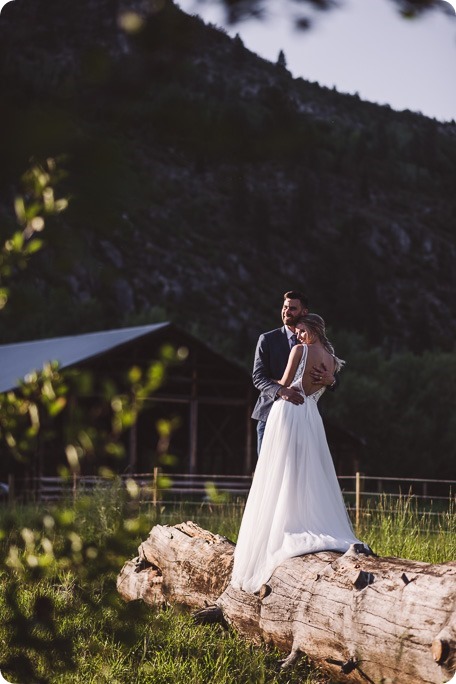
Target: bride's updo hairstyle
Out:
[316,326]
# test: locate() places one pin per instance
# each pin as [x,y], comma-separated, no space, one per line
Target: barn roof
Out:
[21,358]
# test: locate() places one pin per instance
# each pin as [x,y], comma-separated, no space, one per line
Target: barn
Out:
[208,398]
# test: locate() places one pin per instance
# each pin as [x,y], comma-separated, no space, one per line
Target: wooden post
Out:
[358,497]
[155,486]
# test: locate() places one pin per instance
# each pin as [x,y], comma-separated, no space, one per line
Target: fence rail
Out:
[159,488]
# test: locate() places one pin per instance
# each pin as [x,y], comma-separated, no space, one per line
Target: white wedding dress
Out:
[295,505]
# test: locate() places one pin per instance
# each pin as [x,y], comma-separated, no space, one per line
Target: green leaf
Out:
[134,374]
[19,208]
[33,246]
[57,406]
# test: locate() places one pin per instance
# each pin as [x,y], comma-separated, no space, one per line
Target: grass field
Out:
[63,622]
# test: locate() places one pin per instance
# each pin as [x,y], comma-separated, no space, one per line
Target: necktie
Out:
[293,341]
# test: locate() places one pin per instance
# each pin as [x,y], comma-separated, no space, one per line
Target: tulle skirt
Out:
[295,504]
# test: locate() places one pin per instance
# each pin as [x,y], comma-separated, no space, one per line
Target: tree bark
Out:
[359,618]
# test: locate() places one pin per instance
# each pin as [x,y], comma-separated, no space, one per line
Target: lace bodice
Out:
[297,380]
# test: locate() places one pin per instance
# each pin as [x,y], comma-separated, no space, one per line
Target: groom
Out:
[271,357]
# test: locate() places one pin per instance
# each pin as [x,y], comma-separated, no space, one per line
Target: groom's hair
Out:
[296,294]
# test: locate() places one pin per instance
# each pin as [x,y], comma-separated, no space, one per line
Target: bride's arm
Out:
[293,361]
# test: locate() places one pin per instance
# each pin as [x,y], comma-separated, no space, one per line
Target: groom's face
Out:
[292,310]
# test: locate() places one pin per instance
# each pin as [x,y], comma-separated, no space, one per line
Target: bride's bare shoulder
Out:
[297,351]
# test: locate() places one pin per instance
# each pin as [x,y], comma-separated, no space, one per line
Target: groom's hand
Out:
[291,395]
[321,376]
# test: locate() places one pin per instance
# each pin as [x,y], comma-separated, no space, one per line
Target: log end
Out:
[444,645]
[440,650]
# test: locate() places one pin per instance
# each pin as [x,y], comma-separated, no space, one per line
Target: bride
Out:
[295,505]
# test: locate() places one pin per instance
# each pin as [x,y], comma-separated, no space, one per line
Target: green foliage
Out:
[63,621]
[401,406]
[36,202]
[28,414]
[58,592]
[59,573]
[23,412]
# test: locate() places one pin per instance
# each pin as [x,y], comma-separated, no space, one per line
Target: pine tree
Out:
[281,60]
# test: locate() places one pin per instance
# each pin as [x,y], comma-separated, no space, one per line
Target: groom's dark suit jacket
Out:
[271,357]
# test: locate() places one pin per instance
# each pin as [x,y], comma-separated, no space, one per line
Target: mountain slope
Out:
[205,181]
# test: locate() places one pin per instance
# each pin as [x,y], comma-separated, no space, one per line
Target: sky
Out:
[361,46]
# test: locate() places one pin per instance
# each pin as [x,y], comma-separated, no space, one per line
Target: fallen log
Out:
[359,618]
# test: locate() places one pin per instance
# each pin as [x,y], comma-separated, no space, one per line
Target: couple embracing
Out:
[295,505]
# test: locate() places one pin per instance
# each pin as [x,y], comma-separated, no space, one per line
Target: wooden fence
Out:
[159,488]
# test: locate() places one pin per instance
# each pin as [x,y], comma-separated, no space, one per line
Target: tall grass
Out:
[63,621]
[397,526]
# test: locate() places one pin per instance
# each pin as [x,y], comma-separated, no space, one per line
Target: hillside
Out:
[205,181]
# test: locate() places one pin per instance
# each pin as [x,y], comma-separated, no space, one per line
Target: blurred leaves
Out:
[58,572]
[84,545]
[31,208]
[237,11]
[214,495]
[29,412]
